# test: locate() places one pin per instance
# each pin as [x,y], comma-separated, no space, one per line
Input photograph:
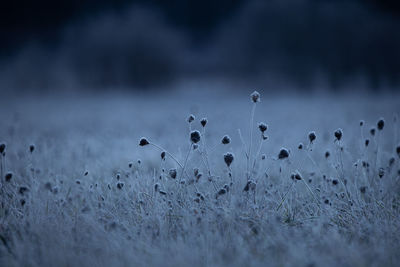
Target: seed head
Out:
[226,139]
[8,176]
[163,155]
[363,189]
[2,148]
[262,126]
[372,131]
[228,158]
[296,176]
[143,141]
[338,134]
[250,185]
[120,185]
[255,97]
[300,146]
[361,122]
[398,150]
[380,124]
[284,153]
[195,136]
[381,172]
[327,154]
[23,189]
[172,173]
[312,136]
[203,122]
[335,182]
[366,142]
[191,118]
[221,192]
[31,148]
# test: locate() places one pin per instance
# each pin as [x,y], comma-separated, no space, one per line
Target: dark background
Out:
[54,45]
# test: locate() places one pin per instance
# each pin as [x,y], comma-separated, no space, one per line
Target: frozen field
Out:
[88,194]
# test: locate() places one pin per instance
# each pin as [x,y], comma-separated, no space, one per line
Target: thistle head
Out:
[312,136]
[380,124]
[228,158]
[255,97]
[338,134]
[203,122]
[191,118]
[263,127]
[226,139]
[143,141]
[195,136]
[283,153]
[172,173]
[2,148]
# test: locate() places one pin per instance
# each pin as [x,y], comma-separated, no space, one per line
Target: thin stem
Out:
[184,164]
[253,109]
[284,196]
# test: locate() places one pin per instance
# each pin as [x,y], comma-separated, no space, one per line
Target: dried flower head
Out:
[203,122]
[338,134]
[312,136]
[366,142]
[191,118]
[195,136]
[228,158]
[300,146]
[172,173]
[327,154]
[143,141]
[363,189]
[31,148]
[381,172]
[250,186]
[226,139]
[221,192]
[361,122]
[23,189]
[8,176]
[255,97]
[380,124]
[398,150]
[2,148]
[163,155]
[372,131]
[296,176]
[262,126]
[283,153]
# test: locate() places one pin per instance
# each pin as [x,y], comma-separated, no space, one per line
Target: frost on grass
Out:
[317,196]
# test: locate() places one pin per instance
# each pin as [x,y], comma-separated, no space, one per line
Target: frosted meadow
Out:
[200,180]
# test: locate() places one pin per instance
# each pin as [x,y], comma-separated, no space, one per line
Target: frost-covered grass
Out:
[87,194]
